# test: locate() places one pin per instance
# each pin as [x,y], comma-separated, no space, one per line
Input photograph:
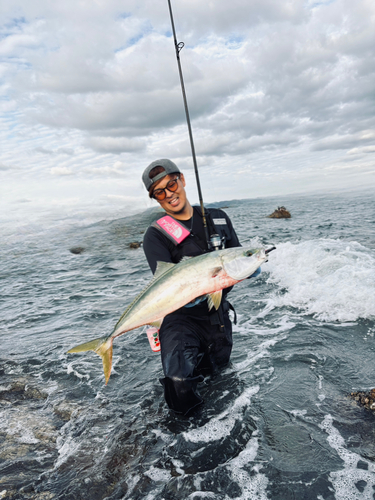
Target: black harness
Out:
[193,244]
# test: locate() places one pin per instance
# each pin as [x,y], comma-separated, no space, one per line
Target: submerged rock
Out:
[20,389]
[29,431]
[366,399]
[135,244]
[280,213]
[76,250]
[65,409]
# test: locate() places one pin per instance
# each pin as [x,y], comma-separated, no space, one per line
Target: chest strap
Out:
[172,228]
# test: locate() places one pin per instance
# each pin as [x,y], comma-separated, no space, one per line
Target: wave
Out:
[332,280]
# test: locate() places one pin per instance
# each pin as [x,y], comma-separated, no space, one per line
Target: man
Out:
[194,341]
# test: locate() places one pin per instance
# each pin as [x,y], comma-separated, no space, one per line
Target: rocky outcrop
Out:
[135,244]
[76,250]
[29,430]
[366,399]
[280,213]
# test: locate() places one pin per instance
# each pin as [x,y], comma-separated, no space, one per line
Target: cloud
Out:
[115,145]
[4,168]
[43,151]
[61,171]
[286,85]
[348,142]
[65,151]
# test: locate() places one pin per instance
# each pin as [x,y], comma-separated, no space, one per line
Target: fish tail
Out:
[103,347]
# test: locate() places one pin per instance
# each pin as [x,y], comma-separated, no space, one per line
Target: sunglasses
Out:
[160,194]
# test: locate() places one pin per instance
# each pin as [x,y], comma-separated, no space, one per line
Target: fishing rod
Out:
[178,47]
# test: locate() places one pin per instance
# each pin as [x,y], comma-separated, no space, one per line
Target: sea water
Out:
[278,423]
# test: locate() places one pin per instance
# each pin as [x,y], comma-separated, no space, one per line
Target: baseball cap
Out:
[169,168]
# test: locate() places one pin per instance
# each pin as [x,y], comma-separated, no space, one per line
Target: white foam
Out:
[20,425]
[254,356]
[70,369]
[253,486]
[201,494]
[179,466]
[158,475]
[70,447]
[331,279]
[248,327]
[221,426]
[345,479]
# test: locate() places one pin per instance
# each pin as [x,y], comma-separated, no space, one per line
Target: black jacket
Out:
[158,247]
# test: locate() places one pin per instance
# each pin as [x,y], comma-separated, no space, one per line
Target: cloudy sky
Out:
[281,95]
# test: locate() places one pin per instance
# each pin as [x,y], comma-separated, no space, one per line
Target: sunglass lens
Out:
[160,194]
[172,185]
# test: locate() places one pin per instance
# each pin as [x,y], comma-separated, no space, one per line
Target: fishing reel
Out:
[216,242]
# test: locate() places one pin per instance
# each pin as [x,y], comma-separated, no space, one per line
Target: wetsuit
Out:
[194,341]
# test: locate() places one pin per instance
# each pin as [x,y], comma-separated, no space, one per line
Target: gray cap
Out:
[169,168]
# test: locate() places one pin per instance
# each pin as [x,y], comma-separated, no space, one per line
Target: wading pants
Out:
[190,348]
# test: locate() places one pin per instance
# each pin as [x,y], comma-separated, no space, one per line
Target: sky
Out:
[281,95]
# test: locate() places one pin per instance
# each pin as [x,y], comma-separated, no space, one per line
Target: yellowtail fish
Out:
[175,285]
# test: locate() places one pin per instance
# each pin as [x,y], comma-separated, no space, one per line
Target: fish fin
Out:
[214,299]
[103,347]
[106,351]
[216,271]
[162,268]
[157,323]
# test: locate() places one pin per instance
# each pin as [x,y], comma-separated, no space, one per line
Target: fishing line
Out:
[178,47]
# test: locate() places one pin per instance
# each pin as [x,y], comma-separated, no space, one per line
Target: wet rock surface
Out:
[280,213]
[65,410]
[30,426]
[20,389]
[366,399]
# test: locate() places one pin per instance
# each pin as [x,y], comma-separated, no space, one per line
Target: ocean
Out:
[278,423]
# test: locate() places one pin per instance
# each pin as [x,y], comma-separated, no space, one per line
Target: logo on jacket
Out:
[175,230]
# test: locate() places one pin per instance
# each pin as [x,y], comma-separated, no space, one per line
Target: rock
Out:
[76,250]
[280,213]
[366,399]
[21,389]
[135,244]
[64,410]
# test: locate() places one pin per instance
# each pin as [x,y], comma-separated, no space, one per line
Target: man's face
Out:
[175,202]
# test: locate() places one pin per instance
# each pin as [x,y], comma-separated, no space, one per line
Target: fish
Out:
[175,285]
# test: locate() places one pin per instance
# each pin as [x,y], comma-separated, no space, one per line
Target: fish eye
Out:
[248,253]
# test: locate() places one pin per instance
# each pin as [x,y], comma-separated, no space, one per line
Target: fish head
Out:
[239,263]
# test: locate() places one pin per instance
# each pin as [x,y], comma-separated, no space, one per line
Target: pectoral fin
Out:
[214,299]
[157,323]
[216,271]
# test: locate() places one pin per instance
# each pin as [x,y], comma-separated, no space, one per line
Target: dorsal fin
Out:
[162,268]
